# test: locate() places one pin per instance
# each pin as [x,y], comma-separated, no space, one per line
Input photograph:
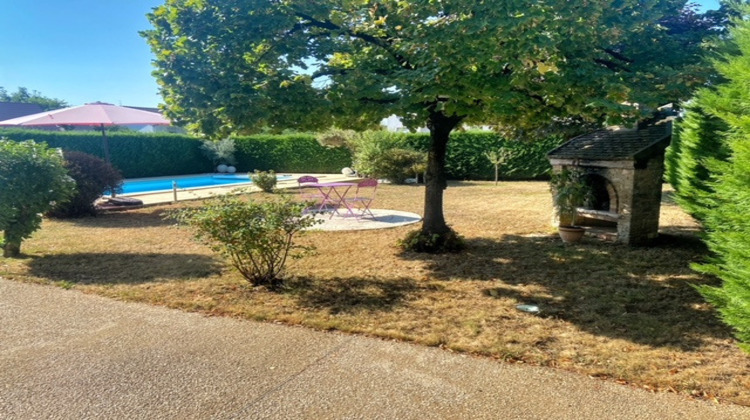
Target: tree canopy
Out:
[229,66]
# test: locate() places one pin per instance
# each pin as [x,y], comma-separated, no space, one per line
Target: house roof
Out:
[616,144]
[10,110]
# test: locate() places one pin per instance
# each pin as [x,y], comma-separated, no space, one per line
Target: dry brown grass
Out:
[626,314]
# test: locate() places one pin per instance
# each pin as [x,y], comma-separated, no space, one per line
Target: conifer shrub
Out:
[727,218]
[698,138]
[728,233]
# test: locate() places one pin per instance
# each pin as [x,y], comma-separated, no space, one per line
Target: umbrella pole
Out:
[105,145]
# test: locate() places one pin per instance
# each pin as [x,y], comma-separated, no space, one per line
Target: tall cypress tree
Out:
[698,138]
[727,220]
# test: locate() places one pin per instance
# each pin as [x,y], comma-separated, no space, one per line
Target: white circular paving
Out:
[383,219]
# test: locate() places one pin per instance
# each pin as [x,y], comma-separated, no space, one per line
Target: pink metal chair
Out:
[306,179]
[363,198]
[309,193]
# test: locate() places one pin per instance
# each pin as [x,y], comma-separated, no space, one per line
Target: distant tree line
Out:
[23,95]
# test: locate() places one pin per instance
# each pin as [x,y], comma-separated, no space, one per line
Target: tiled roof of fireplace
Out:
[616,144]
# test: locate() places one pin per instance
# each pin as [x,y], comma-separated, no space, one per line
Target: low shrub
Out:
[395,165]
[433,243]
[381,154]
[32,179]
[257,238]
[398,164]
[93,176]
[266,181]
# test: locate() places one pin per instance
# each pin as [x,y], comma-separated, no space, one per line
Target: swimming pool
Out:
[135,186]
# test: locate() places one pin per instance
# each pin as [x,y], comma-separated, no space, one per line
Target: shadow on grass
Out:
[351,295]
[124,219]
[681,237]
[644,295]
[103,269]
[668,197]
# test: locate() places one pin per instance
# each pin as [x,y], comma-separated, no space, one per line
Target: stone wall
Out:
[644,221]
[637,190]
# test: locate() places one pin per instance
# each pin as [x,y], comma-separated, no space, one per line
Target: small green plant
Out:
[65,284]
[257,238]
[420,167]
[419,241]
[266,181]
[220,151]
[570,190]
[497,158]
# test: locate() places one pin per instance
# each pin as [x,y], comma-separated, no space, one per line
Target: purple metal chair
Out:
[363,197]
[310,193]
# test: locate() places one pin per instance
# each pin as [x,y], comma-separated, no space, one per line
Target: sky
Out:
[83,51]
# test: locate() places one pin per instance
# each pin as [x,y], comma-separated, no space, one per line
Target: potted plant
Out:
[569,191]
[221,153]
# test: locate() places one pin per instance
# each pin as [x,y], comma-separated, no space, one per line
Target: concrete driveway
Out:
[66,355]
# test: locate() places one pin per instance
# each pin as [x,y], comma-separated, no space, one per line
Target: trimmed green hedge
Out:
[134,154]
[156,154]
[298,153]
[145,154]
[465,157]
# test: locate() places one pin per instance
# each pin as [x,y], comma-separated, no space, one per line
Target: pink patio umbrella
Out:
[97,114]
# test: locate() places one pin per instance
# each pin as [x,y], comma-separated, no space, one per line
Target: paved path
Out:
[67,355]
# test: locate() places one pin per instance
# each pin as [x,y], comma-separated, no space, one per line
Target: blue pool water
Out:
[197,181]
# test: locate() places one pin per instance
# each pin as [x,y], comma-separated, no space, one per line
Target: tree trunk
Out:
[11,249]
[440,127]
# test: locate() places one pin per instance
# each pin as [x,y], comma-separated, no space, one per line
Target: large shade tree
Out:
[239,65]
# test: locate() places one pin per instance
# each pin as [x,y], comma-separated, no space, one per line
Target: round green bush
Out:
[93,176]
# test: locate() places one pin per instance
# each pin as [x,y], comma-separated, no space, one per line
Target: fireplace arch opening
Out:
[601,209]
[603,194]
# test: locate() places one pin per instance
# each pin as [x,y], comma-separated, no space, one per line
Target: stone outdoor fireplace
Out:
[624,168]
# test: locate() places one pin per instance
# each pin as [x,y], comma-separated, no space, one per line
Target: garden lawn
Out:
[629,315]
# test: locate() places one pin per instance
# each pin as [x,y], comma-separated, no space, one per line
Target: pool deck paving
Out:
[382,218]
[150,199]
[68,355]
